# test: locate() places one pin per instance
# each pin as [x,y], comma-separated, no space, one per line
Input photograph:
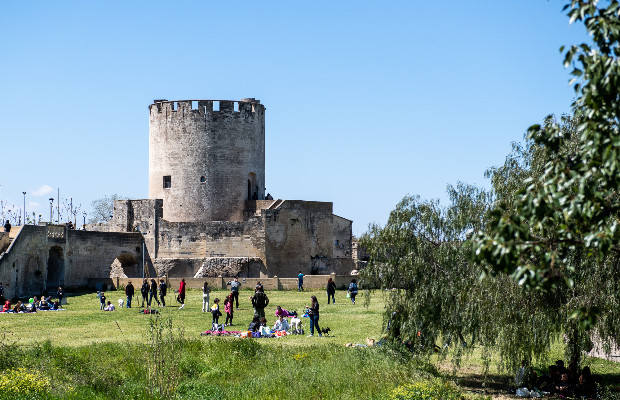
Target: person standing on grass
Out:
[60,294]
[215,310]
[331,290]
[102,300]
[206,290]
[129,290]
[234,289]
[259,301]
[228,309]
[353,290]
[181,296]
[144,290]
[300,282]
[163,289]
[153,292]
[313,313]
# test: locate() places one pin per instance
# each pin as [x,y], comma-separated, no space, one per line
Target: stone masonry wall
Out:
[343,233]
[84,254]
[295,233]
[209,156]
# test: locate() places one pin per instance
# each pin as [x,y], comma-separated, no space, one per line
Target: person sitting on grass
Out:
[56,305]
[30,306]
[7,306]
[44,305]
[255,324]
[109,307]
[281,324]
[264,328]
[19,307]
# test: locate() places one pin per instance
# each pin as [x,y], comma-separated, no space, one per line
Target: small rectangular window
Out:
[167,182]
[216,105]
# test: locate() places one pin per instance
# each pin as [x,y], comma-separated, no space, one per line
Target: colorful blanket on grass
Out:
[245,334]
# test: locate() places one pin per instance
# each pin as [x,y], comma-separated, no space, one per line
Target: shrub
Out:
[19,383]
[430,389]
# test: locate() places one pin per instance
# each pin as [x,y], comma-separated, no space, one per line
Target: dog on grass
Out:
[120,303]
[325,331]
[296,324]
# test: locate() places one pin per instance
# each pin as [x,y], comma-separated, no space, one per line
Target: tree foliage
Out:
[103,209]
[573,205]
[435,296]
[538,256]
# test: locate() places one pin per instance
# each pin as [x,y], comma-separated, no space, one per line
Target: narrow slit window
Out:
[167,182]
[236,106]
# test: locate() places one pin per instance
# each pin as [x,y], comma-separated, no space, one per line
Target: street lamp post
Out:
[51,205]
[24,207]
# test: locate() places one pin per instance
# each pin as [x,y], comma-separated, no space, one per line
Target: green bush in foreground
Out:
[210,368]
[427,390]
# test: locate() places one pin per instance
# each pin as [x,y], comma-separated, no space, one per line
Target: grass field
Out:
[83,352]
[84,324]
[87,353]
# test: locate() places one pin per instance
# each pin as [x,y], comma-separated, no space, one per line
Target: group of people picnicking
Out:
[34,304]
[566,382]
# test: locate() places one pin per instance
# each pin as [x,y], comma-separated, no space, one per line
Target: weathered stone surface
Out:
[213,159]
[230,266]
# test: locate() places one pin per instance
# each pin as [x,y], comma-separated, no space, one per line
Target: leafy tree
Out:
[103,209]
[547,234]
[559,234]
[573,205]
[435,298]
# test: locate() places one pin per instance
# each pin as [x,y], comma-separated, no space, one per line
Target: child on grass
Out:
[215,310]
[228,309]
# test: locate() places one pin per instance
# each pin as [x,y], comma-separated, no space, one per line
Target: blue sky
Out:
[366,101]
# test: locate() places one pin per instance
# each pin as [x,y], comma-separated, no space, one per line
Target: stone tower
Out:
[206,157]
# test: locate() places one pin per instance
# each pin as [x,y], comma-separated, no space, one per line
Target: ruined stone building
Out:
[207,213]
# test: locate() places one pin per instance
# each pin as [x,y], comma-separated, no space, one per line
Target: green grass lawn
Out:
[83,352]
[84,324]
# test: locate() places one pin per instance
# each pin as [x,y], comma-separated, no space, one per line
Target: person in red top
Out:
[181,296]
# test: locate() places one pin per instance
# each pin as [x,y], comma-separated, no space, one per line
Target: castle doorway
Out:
[252,194]
[55,268]
[125,266]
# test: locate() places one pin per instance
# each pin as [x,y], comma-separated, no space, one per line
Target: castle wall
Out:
[210,248]
[25,267]
[296,232]
[343,234]
[200,159]
[138,216]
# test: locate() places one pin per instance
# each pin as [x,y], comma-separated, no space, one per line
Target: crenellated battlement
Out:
[248,107]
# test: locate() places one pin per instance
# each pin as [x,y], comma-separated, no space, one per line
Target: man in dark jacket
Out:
[144,290]
[259,302]
[129,293]
[153,292]
[163,289]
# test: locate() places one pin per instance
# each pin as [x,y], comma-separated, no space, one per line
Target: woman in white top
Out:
[205,297]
